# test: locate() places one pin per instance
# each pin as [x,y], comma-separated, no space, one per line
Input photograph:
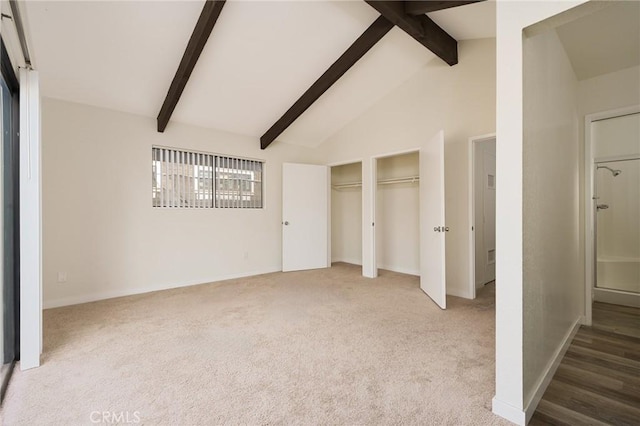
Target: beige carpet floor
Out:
[315,347]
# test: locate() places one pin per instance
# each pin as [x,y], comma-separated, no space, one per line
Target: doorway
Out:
[482,201]
[617,228]
[429,239]
[398,213]
[613,208]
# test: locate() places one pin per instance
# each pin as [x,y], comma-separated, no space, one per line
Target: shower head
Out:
[614,172]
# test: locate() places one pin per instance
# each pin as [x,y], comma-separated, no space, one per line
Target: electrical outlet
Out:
[62,277]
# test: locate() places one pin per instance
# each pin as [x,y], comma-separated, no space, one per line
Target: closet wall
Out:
[397,214]
[346,213]
[460,100]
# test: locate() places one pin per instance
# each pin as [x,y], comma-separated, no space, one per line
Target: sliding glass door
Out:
[9,217]
[3,297]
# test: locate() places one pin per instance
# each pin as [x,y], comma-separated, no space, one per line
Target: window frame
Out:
[214,155]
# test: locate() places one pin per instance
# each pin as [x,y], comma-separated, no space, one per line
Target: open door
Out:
[432,225]
[305,216]
[489,213]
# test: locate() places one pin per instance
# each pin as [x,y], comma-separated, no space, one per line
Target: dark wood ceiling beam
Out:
[199,37]
[357,50]
[421,28]
[420,7]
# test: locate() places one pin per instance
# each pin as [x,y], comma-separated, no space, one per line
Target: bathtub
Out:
[618,281]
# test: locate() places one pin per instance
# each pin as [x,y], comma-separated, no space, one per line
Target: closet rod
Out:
[408,179]
[347,185]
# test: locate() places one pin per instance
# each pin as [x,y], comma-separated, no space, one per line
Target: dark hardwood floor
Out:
[598,381]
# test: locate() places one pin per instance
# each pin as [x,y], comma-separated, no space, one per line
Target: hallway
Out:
[598,381]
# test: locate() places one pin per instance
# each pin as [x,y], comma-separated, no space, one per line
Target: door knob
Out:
[437,229]
[446,229]
[286,222]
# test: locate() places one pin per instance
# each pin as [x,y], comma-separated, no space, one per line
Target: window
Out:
[190,179]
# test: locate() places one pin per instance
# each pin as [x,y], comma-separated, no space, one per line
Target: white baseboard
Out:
[399,269]
[550,370]
[507,411]
[94,297]
[616,297]
[351,261]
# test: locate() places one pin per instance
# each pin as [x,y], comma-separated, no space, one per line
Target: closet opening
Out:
[397,214]
[346,213]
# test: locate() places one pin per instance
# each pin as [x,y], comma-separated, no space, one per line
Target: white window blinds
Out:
[186,179]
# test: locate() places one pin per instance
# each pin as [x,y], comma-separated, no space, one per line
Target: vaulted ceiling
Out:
[259,59]
[605,41]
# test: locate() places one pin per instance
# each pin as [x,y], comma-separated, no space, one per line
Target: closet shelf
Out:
[408,179]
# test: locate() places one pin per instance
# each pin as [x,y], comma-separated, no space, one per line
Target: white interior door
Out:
[432,225]
[485,211]
[305,216]
[489,213]
[478,209]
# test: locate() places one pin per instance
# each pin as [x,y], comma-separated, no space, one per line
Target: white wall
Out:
[511,19]
[552,227]
[397,215]
[613,137]
[346,215]
[610,91]
[100,228]
[458,99]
